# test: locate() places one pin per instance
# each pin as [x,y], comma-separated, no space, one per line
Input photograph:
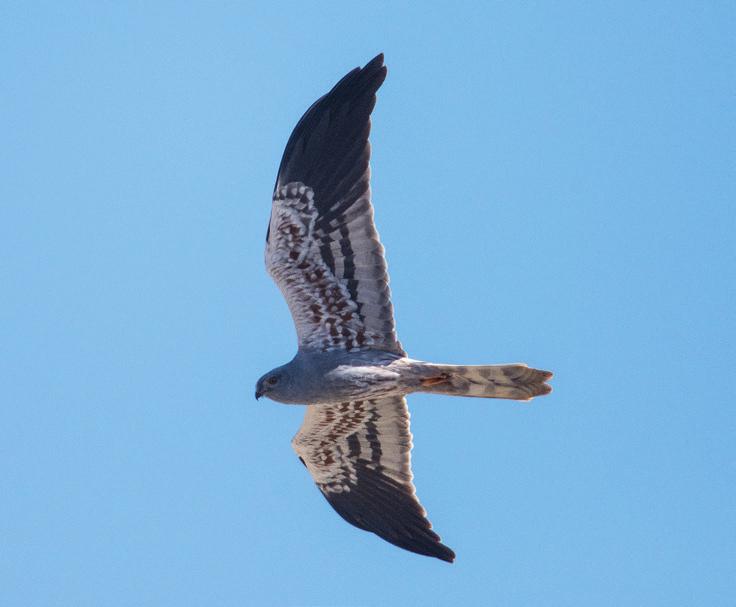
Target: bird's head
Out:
[276,385]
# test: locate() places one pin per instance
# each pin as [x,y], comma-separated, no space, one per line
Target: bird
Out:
[350,370]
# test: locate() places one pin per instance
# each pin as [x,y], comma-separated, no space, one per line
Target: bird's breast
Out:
[348,382]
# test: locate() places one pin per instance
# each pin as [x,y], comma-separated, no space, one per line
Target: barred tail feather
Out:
[515,382]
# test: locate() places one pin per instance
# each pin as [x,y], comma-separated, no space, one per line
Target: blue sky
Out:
[553,183]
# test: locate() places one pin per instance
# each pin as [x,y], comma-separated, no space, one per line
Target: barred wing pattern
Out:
[322,248]
[358,453]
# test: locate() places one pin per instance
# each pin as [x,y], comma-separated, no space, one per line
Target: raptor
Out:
[350,370]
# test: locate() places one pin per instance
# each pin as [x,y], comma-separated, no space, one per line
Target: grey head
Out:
[278,385]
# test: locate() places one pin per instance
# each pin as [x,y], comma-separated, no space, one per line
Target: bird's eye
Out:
[272,380]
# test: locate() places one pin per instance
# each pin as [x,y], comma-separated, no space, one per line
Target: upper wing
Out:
[322,248]
[358,453]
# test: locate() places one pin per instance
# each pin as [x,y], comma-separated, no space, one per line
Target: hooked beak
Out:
[258,394]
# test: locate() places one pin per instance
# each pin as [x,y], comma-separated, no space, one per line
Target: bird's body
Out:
[323,251]
[329,377]
[325,378]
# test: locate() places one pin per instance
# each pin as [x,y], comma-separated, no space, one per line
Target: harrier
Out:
[323,252]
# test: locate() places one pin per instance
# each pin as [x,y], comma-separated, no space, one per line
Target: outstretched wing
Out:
[322,248]
[358,453]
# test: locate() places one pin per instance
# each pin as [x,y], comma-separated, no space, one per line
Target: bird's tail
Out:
[516,382]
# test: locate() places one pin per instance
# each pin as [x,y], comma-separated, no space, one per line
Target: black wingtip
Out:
[441,552]
[377,61]
[376,64]
[381,505]
[335,129]
[446,555]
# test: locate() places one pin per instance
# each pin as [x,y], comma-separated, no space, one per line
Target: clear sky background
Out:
[554,184]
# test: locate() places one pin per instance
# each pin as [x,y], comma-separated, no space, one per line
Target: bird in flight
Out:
[323,252]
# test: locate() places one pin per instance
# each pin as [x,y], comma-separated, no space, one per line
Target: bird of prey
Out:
[323,252]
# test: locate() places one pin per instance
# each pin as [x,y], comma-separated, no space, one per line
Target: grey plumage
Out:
[323,251]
